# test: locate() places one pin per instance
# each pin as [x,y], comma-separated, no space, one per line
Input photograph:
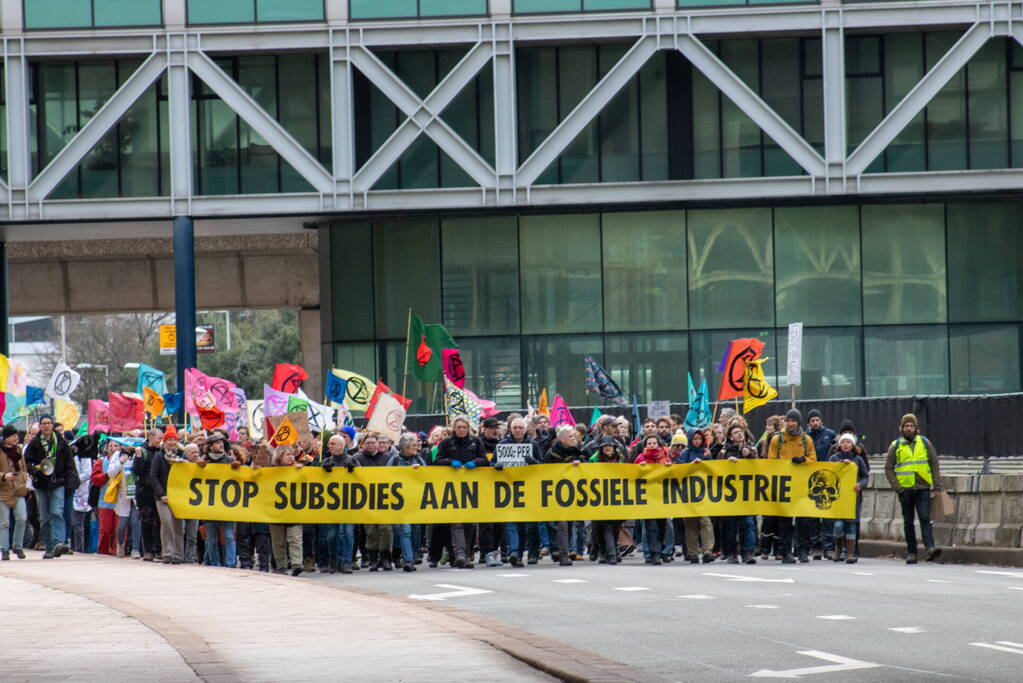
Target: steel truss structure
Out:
[507,183]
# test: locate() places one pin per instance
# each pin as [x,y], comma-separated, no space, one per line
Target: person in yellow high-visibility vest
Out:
[911,467]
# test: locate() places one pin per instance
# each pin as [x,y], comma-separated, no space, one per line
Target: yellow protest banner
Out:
[153,402]
[432,495]
[755,389]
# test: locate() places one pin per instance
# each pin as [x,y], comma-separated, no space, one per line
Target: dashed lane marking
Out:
[512,576]
[630,589]
[937,581]
[696,596]
[865,573]
[570,581]
[1003,646]
[837,617]
[762,606]
[907,629]
[739,577]
[1015,575]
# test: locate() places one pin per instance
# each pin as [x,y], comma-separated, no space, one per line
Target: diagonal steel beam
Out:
[267,126]
[916,99]
[587,109]
[423,116]
[99,125]
[751,104]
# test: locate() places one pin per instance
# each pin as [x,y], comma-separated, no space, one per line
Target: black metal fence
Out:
[961,426]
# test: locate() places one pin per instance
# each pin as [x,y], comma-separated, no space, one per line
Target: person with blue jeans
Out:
[408,455]
[740,530]
[513,532]
[341,538]
[217,454]
[12,469]
[48,449]
[846,530]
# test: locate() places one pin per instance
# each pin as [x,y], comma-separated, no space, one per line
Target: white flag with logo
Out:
[388,417]
[63,381]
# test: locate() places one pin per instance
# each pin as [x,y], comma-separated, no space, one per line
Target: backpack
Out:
[806,449]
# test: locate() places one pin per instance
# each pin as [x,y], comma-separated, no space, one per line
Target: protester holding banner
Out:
[521,450]
[605,531]
[822,536]
[462,449]
[218,454]
[565,450]
[792,444]
[378,536]
[286,539]
[172,529]
[846,530]
[407,535]
[740,531]
[13,489]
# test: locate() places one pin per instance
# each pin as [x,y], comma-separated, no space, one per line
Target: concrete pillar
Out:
[11,18]
[5,325]
[336,10]
[184,295]
[174,14]
[309,341]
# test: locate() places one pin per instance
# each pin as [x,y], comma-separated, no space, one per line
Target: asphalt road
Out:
[877,620]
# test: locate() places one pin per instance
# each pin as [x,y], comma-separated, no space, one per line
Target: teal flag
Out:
[151,377]
[595,416]
[699,414]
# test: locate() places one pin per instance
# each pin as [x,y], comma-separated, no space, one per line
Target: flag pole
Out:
[408,337]
[793,387]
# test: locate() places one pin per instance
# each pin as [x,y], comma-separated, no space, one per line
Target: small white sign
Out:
[795,364]
[512,454]
[656,409]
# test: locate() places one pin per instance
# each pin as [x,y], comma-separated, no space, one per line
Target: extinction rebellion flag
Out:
[599,382]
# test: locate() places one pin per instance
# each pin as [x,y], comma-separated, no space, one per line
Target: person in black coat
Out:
[50,447]
[462,449]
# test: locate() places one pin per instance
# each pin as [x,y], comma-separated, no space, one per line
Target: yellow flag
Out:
[756,391]
[360,389]
[66,413]
[286,433]
[4,369]
[153,401]
[543,408]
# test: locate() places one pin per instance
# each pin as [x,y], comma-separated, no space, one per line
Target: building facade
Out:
[635,180]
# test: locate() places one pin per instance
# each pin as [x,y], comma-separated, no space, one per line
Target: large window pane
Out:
[221,11]
[481,275]
[359,358]
[126,12]
[946,112]
[493,369]
[652,366]
[528,6]
[832,363]
[985,358]
[57,13]
[289,10]
[442,8]
[557,363]
[984,268]
[560,271]
[904,264]
[707,348]
[903,361]
[351,279]
[818,265]
[406,269]
[731,272]
[989,108]
[577,73]
[904,66]
[375,9]
[644,271]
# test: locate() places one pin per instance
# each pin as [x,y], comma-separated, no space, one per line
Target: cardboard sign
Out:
[656,409]
[512,454]
[795,359]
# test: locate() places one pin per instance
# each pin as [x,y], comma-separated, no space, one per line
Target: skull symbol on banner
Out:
[823,488]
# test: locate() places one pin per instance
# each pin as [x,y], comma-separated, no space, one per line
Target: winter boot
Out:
[850,551]
[839,540]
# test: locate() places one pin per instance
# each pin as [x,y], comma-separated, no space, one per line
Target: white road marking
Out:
[570,581]
[763,606]
[836,617]
[907,629]
[865,573]
[1015,575]
[937,581]
[512,576]
[696,596]
[759,579]
[840,664]
[457,593]
[1015,588]
[1002,646]
[630,589]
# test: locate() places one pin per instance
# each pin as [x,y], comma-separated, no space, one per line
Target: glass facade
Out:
[896,298]
[49,14]
[253,11]
[402,9]
[548,6]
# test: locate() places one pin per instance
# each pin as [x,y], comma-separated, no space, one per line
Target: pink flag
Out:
[274,402]
[198,386]
[487,408]
[99,415]
[453,368]
[560,414]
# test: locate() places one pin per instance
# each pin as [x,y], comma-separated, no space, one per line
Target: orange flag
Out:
[153,402]
[286,433]
[740,351]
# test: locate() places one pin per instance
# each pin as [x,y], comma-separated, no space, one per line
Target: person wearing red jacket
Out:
[658,547]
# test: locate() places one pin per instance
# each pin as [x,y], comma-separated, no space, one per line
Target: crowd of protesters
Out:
[61,494]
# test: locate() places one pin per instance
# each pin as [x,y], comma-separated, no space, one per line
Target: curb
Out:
[1002,557]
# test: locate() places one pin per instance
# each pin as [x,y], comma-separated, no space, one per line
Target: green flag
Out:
[595,416]
[83,429]
[426,350]
[297,405]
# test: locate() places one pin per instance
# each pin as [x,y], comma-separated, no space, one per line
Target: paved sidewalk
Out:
[85,617]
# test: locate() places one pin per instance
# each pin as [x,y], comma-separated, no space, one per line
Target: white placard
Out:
[512,454]
[795,364]
[656,409]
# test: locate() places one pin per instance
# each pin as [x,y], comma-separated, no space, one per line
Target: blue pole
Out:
[5,311]
[184,295]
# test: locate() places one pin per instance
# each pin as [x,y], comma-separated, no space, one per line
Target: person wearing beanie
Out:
[46,449]
[821,537]
[145,496]
[911,467]
[13,490]
[793,445]
[846,530]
